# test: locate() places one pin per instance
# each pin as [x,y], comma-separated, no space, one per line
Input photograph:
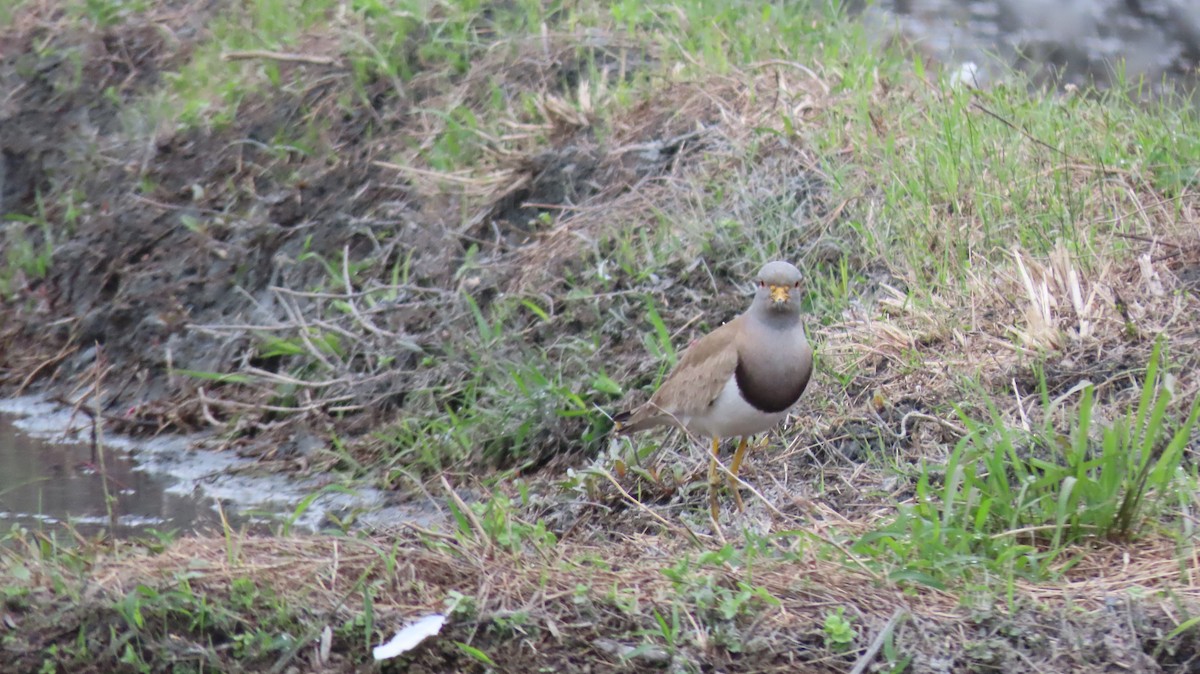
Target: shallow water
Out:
[47,485]
[49,478]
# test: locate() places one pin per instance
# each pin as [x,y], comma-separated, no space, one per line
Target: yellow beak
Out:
[779,294]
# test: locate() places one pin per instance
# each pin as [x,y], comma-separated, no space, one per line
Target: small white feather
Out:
[325,646]
[409,637]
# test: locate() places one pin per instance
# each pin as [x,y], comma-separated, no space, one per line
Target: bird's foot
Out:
[737,494]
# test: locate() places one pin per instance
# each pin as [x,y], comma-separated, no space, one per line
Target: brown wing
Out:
[693,384]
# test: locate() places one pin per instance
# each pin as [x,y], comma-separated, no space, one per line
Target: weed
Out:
[105,13]
[839,631]
[475,654]
[461,605]
[669,630]
[716,601]
[499,523]
[1012,503]
[28,244]
[151,614]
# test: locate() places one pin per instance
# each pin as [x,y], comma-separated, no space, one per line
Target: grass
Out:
[475,231]
[1015,503]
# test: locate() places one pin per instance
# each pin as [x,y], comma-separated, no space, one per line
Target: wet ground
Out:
[52,479]
[46,486]
[1150,44]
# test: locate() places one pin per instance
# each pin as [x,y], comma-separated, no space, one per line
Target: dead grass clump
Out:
[712,122]
[1050,321]
[597,597]
[584,604]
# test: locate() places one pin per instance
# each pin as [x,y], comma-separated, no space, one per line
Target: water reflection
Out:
[48,477]
[43,484]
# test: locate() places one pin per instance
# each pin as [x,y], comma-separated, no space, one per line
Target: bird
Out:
[740,379]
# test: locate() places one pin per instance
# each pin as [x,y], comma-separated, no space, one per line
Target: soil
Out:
[179,252]
[174,232]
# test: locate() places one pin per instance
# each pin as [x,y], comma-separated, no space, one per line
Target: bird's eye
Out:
[796,284]
[762,283]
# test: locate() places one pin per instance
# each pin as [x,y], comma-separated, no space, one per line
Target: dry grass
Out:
[594,589]
[413,295]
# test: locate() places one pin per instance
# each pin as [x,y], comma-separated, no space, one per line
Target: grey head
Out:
[777,291]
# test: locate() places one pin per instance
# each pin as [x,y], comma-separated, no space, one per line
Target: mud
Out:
[180,241]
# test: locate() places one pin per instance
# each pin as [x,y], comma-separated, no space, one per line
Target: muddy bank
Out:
[180,254]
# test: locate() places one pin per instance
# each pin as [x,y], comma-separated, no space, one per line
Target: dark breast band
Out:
[773,393]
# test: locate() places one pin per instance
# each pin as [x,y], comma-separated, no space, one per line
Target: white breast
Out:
[730,415]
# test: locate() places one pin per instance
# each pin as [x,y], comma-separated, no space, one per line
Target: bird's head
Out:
[778,287]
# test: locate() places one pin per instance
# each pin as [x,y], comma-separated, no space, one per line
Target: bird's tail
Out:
[621,422]
[626,423]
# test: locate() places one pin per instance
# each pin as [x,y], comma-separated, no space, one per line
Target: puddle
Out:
[44,485]
[48,477]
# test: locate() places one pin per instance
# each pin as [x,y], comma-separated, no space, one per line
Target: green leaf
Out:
[222,377]
[475,653]
[537,311]
[605,384]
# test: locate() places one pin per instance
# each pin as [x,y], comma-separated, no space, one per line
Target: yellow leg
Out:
[713,480]
[733,468]
[738,456]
